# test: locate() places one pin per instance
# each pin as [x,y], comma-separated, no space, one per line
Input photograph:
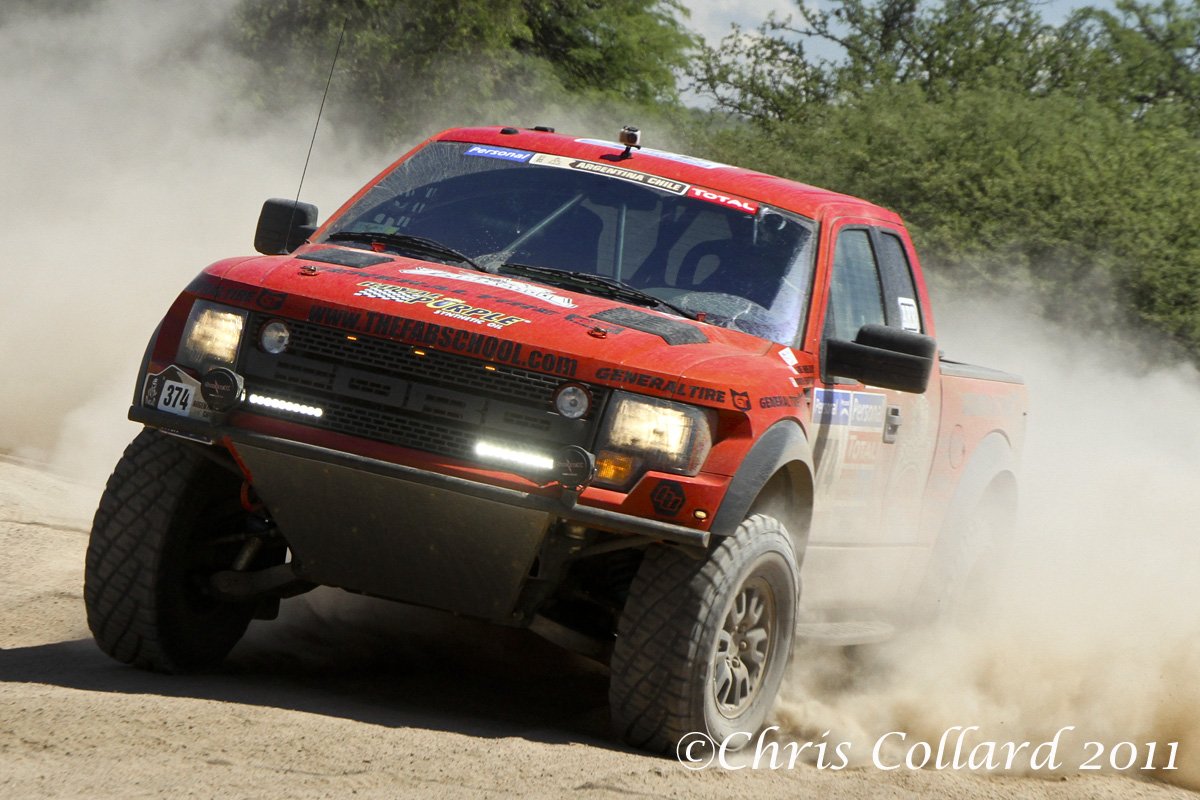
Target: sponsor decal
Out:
[682,159]
[741,400]
[501,153]
[781,401]
[729,201]
[270,301]
[608,170]
[863,449]
[443,306]
[498,282]
[655,383]
[863,410]
[910,320]
[789,358]
[509,300]
[443,337]
[667,498]
[867,410]
[211,288]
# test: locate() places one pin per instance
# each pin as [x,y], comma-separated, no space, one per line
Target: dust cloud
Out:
[130,165]
[1091,620]
[134,159]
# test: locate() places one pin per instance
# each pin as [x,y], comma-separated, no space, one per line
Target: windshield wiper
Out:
[406,242]
[600,284]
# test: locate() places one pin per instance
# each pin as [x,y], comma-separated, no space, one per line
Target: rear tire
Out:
[703,644]
[151,552]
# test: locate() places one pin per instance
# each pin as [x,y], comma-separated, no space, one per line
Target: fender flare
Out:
[140,386]
[783,448]
[993,457]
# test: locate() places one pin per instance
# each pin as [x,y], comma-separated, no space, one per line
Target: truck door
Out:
[872,447]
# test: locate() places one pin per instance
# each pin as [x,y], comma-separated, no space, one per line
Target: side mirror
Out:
[890,358]
[284,225]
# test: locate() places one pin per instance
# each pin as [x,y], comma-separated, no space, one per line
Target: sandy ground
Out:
[345,697]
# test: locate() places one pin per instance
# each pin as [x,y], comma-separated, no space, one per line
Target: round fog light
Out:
[572,401]
[221,389]
[275,337]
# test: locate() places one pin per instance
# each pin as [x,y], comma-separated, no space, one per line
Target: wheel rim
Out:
[744,645]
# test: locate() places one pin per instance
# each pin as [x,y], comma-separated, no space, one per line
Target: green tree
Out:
[1142,57]
[403,61]
[943,48]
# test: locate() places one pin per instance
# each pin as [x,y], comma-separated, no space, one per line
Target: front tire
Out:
[703,644]
[168,519]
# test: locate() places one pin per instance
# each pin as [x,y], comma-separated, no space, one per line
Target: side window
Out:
[903,311]
[855,293]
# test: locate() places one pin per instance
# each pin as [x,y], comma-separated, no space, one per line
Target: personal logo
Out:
[741,400]
[667,498]
[500,153]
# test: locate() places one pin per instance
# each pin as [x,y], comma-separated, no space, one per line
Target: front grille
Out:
[412,397]
[331,345]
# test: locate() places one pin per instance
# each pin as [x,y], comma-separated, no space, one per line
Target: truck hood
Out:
[505,319]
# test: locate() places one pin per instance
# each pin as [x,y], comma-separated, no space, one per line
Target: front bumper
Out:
[404,533]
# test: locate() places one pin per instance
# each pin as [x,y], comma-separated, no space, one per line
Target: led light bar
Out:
[286,405]
[491,451]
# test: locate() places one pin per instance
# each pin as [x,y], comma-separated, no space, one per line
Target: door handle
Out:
[891,425]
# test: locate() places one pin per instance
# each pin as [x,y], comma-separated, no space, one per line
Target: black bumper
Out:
[404,533]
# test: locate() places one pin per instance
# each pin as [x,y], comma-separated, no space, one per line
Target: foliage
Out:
[404,63]
[1061,161]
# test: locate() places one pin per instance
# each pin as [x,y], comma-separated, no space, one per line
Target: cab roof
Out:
[809,201]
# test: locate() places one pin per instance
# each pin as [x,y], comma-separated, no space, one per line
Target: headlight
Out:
[211,336]
[642,433]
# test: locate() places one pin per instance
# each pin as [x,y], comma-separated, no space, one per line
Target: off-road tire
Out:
[145,593]
[665,664]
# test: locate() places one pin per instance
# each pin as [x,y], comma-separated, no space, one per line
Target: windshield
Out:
[740,263]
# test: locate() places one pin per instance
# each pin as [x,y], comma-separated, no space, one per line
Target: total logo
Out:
[749,206]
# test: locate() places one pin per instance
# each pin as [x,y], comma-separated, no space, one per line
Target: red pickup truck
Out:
[666,412]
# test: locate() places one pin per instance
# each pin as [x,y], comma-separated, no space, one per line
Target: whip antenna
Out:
[316,127]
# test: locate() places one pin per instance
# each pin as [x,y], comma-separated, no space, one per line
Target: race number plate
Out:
[176,398]
[175,392]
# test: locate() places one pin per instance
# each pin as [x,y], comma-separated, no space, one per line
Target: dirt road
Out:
[346,697]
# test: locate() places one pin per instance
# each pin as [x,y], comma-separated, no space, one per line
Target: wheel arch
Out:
[775,478]
[987,490]
[990,479]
